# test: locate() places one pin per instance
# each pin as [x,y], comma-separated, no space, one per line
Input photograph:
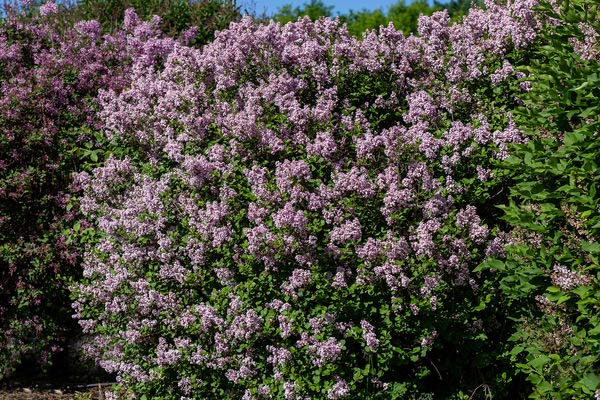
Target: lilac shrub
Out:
[49,79]
[295,213]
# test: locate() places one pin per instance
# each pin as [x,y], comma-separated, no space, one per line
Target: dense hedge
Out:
[292,212]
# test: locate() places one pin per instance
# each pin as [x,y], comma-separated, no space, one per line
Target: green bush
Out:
[551,278]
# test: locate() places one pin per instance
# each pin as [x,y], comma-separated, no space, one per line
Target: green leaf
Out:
[492,264]
[481,306]
[588,111]
[591,381]
[539,362]
[517,350]
[582,291]
[596,225]
[563,299]
[572,138]
[582,86]
[593,248]
[544,387]
[594,331]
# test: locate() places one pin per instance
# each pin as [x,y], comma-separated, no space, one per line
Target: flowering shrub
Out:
[294,213]
[49,80]
[551,274]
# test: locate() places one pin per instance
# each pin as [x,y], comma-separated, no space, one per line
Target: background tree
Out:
[314,10]
[457,8]
[361,21]
[404,16]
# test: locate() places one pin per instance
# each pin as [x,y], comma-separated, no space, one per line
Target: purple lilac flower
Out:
[325,352]
[299,279]
[165,354]
[289,390]
[278,355]
[339,390]
[428,340]
[566,279]
[368,332]
[50,7]
[588,47]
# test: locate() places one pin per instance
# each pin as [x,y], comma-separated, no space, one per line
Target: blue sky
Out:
[341,6]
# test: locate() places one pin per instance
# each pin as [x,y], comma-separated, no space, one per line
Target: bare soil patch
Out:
[25,393]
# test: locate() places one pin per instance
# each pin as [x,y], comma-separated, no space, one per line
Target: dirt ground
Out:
[80,393]
[64,381]
[46,391]
[36,394]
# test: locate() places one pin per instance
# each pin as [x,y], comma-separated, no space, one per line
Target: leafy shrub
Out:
[204,17]
[294,213]
[49,80]
[551,275]
[196,21]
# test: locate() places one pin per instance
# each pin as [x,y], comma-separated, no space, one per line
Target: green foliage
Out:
[551,276]
[314,10]
[362,21]
[405,17]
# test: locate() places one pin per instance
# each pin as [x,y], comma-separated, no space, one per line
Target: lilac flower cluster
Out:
[272,204]
[566,279]
[339,390]
[369,335]
[587,48]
